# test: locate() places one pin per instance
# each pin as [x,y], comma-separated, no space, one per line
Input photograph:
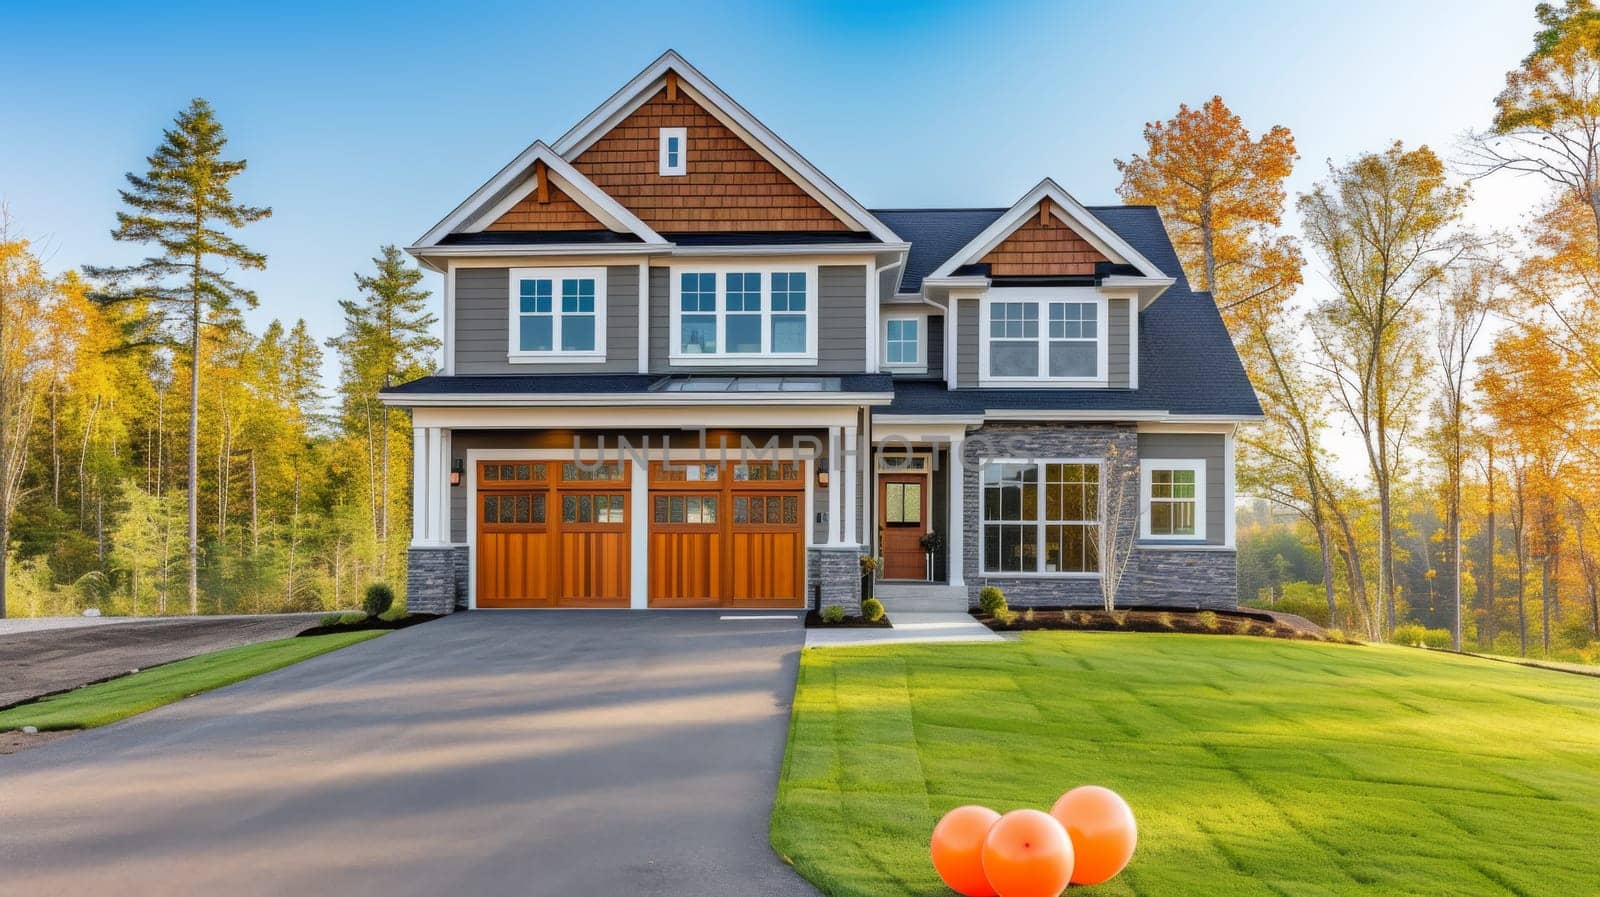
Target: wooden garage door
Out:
[552,534]
[727,535]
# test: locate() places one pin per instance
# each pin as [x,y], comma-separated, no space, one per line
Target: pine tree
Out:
[387,339]
[178,207]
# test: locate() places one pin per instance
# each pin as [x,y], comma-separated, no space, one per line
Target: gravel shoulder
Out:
[47,660]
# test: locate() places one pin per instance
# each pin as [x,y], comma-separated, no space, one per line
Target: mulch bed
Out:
[814,621]
[1240,622]
[370,624]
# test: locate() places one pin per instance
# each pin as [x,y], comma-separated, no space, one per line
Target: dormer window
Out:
[1043,336]
[674,151]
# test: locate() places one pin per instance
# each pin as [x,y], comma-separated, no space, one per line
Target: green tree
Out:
[387,339]
[138,545]
[179,207]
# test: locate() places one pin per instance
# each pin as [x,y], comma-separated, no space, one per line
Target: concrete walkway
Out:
[907,628]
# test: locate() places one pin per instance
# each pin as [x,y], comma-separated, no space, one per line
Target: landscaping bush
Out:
[833,614]
[872,610]
[377,599]
[992,601]
[1436,638]
[1207,619]
[342,618]
[1409,634]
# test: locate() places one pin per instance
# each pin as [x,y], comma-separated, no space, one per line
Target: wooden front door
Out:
[903,520]
[552,534]
[727,535]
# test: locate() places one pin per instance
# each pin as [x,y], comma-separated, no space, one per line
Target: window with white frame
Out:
[1059,337]
[902,342]
[674,151]
[733,315]
[557,314]
[1041,517]
[1173,494]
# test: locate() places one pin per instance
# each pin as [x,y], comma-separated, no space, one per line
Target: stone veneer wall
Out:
[833,578]
[462,561]
[431,582]
[1154,577]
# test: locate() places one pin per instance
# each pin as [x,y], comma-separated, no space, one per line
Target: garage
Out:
[728,534]
[552,534]
[558,533]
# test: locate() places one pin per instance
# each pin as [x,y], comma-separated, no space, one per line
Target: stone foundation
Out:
[431,582]
[833,578]
[1180,578]
[462,562]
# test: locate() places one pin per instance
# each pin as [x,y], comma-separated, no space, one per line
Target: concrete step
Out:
[920,597]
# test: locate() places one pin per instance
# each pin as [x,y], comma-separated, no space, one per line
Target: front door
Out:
[903,504]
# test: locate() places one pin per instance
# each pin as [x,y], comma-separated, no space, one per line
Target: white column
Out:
[852,463]
[639,531]
[834,449]
[958,520]
[644,317]
[419,485]
[438,498]
[1230,514]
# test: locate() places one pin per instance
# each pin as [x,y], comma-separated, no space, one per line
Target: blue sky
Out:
[364,123]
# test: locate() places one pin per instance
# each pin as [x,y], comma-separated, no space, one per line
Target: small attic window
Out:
[674,150]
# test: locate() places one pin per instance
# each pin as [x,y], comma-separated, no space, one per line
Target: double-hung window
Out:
[1173,495]
[1041,517]
[1044,336]
[744,315]
[902,343]
[557,314]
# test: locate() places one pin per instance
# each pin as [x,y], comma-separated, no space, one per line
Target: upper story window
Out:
[674,151]
[903,344]
[744,315]
[1043,336]
[557,314]
[1173,494]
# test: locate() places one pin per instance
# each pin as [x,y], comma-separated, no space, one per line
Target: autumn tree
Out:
[1382,226]
[1221,194]
[387,339]
[25,295]
[180,208]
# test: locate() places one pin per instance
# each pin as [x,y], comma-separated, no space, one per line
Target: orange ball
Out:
[1027,854]
[1102,830]
[957,849]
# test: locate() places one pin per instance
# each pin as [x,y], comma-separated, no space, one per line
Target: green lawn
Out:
[1254,766]
[97,705]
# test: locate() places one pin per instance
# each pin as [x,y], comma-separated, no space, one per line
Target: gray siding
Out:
[936,345]
[967,342]
[841,324]
[1117,344]
[482,319]
[1208,447]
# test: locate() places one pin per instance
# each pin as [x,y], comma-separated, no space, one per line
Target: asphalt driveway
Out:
[593,754]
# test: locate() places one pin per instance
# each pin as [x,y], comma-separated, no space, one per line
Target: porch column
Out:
[852,461]
[834,448]
[439,493]
[419,485]
[958,515]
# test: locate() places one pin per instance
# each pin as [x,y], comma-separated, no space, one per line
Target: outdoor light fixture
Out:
[457,467]
[822,478]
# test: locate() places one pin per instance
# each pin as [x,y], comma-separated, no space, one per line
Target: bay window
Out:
[747,315]
[1043,335]
[1041,517]
[557,314]
[1173,496]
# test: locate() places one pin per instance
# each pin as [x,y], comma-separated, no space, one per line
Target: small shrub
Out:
[1165,620]
[377,599]
[1119,617]
[1409,634]
[992,601]
[333,619]
[872,609]
[1436,638]
[1006,616]
[1207,620]
[1080,618]
[1028,615]
[833,614]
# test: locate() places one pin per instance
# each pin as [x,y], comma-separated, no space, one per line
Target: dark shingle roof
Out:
[1187,363]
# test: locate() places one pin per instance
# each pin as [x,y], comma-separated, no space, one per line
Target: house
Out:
[684,368]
